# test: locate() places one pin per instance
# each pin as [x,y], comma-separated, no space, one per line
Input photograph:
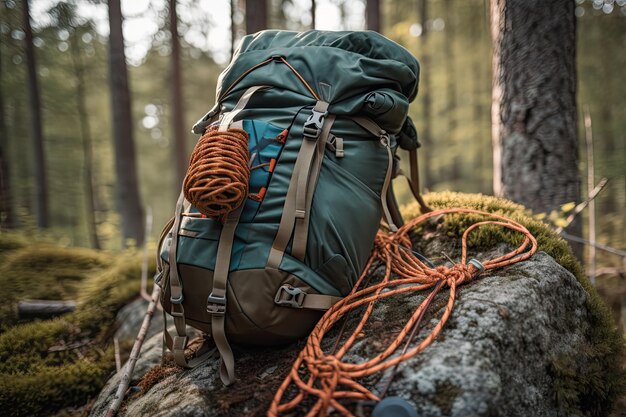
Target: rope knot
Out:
[458,274]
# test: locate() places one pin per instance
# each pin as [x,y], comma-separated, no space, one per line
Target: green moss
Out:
[590,382]
[44,272]
[50,364]
[10,241]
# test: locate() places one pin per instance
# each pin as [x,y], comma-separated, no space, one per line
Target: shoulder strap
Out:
[295,200]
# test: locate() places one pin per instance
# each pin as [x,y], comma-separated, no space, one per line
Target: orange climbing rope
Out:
[330,379]
[218,175]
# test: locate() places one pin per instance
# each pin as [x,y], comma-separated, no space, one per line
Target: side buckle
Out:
[289,296]
[216,305]
[313,125]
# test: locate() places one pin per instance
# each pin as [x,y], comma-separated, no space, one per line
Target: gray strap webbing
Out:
[301,230]
[241,104]
[296,194]
[216,302]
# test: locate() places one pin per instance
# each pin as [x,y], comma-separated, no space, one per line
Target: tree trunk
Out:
[85,133]
[313,7]
[176,85]
[534,102]
[256,15]
[427,150]
[372,15]
[128,198]
[233,27]
[41,181]
[7,220]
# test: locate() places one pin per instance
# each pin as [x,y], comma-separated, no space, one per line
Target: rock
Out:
[518,343]
[129,320]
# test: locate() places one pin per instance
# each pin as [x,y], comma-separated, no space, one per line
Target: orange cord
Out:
[329,378]
[218,175]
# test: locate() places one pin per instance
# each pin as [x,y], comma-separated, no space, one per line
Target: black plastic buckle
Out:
[216,305]
[295,296]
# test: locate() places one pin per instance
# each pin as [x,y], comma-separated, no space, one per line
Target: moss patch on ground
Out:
[47,365]
[591,382]
[44,272]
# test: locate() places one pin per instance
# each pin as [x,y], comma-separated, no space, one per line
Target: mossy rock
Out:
[601,359]
[50,364]
[520,338]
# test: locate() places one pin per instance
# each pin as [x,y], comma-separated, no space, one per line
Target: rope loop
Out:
[218,175]
[330,378]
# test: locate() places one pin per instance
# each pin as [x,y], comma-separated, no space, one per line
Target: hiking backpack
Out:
[323,113]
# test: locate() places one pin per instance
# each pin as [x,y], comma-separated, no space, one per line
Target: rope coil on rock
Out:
[218,175]
[330,379]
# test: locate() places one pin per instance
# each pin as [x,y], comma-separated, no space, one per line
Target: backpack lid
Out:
[353,71]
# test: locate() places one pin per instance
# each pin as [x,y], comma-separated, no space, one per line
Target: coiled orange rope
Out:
[329,378]
[218,175]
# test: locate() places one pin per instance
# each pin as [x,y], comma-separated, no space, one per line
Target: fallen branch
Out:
[134,354]
[580,207]
[44,308]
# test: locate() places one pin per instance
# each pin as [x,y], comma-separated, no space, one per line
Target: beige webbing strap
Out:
[414,181]
[216,302]
[369,125]
[373,128]
[301,229]
[241,104]
[179,341]
[295,200]
[320,301]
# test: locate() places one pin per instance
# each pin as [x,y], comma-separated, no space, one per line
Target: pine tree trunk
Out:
[85,133]
[7,220]
[372,15]
[428,149]
[233,26]
[41,181]
[176,85]
[534,102]
[256,15]
[128,198]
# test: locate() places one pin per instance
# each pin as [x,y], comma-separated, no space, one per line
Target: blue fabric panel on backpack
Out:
[263,147]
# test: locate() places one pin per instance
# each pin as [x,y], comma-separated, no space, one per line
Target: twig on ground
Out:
[580,207]
[134,354]
[118,359]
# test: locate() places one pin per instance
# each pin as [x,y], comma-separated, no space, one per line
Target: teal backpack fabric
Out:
[324,112]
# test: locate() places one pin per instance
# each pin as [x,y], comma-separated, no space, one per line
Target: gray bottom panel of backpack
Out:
[252,317]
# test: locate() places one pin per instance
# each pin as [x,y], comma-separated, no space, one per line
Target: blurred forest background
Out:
[451,38]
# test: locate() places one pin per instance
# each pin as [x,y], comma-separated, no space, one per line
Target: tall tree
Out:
[176,89]
[128,198]
[372,15]
[7,220]
[425,92]
[36,126]
[256,15]
[534,102]
[233,26]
